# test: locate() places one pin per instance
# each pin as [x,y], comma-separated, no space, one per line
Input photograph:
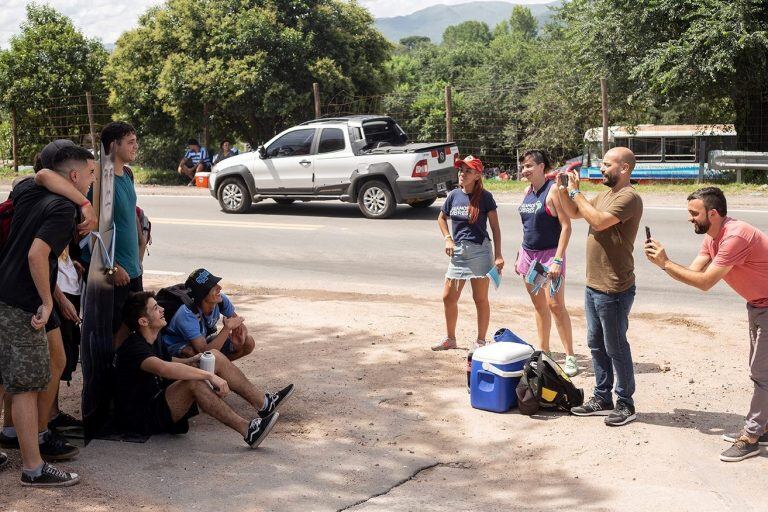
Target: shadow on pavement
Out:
[338,210]
[707,422]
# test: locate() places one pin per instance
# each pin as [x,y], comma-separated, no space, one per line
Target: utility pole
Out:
[604,108]
[14,142]
[316,95]
[448,115]
[91,127]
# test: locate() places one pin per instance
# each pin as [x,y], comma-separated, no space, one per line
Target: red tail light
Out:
[455,157]
[447,150]
[420,170]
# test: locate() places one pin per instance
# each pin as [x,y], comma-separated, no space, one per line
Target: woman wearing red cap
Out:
[470,208]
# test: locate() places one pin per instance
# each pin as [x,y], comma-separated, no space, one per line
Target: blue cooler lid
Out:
[502,353]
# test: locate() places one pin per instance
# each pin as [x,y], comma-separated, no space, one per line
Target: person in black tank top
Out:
[546,232]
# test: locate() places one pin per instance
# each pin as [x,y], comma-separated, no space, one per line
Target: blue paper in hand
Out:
[495,276]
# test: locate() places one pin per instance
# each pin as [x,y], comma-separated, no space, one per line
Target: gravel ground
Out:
[381,423]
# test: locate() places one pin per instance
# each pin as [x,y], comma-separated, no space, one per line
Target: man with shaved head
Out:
[613,217]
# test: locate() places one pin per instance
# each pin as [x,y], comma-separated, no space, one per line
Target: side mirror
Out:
[262,152]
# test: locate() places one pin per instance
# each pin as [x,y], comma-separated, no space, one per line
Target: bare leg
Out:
[246,348]
[25,419]
[237,381]
[46,398]
[451,294]
[480,296]
[542,314]
[182,394]
[562,319]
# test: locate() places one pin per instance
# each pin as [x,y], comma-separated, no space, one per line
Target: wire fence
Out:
[39,121]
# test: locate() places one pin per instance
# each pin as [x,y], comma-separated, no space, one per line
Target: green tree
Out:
[412,42]
[248,65]
[468,32]
[523,23]
[44,75]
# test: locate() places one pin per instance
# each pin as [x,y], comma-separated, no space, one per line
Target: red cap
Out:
[471,162]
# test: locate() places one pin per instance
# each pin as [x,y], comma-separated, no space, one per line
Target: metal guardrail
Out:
[738,160]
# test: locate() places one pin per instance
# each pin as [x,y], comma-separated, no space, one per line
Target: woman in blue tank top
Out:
[546,231]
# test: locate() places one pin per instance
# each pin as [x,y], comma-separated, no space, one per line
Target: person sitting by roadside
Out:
[195,160]
[144,406]
[226,150]
[194,330]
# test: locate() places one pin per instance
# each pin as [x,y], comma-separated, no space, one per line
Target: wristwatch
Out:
[573,193]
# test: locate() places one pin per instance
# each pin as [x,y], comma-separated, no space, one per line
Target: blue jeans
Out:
[607,322]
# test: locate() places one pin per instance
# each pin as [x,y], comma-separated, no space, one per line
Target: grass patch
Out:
[154,176]
[650,188]
[6,173]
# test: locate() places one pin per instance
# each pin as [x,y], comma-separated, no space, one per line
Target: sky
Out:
[107,19]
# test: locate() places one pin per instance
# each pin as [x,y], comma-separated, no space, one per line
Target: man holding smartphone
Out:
[737,253]
[614,218]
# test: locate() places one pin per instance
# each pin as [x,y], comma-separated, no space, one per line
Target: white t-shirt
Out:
[67,279]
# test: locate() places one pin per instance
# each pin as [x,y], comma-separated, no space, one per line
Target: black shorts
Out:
[159,420]
[54,322]
[120,296]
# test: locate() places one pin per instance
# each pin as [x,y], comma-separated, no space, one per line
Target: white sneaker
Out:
[571,368]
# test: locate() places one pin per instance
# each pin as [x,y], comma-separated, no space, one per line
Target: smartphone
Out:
[647,233]
[563,179]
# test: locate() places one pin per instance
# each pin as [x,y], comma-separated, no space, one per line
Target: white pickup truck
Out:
[363,159]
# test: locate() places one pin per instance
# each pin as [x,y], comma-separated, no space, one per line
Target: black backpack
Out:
[172,298]
[545,385]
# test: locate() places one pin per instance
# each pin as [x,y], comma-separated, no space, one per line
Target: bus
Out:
[663,152]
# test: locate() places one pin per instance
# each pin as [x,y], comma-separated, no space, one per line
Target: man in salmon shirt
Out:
[737,253]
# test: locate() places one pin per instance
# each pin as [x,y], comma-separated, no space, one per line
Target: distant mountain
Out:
[433,21]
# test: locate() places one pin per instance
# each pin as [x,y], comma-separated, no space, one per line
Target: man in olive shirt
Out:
[613,217]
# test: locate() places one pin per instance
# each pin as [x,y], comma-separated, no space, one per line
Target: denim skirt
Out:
[470,260]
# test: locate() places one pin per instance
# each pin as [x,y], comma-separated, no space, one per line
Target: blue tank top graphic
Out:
[541,230]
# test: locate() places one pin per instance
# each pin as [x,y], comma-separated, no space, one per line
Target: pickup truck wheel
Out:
[425,203]
[283,200]
[376,200]
[234,196]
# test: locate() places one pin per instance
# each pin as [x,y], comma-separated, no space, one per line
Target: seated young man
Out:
[143,406]
[191,332]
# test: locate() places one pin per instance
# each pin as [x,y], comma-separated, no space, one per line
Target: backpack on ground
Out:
[171,298]
[545,385]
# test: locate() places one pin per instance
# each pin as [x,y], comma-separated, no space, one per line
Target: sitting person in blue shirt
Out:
[191,331]
[226,150]
[195,160]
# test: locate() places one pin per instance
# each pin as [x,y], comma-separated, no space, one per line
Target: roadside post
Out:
[448,115]
[316,94]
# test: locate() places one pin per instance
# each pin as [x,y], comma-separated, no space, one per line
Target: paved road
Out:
[330,245]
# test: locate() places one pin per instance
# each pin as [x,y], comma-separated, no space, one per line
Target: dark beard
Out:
[701,229]
[609,181]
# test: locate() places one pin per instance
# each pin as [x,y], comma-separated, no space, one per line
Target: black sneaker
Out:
[593,407]
[64,421]
[734,436]
[56,447]
[276,400]
[259,428]
[3,460]
[621,415]
[741,449]
[11,443]
[50,477]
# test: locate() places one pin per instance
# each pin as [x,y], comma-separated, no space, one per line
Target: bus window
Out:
[621,142]
[647,149]
[679,149]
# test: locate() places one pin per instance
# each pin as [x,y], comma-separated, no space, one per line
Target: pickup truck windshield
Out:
[383,132]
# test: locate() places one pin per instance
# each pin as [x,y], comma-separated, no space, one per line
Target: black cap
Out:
[200,283]
[48,154]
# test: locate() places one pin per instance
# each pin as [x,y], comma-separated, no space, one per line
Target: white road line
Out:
[175,195]
[665,208]
[235,224]
[163,273]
